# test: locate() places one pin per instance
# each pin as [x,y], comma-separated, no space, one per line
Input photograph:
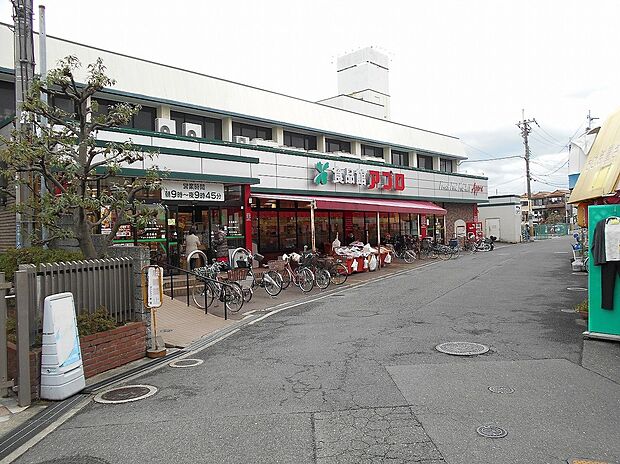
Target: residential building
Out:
[545,204]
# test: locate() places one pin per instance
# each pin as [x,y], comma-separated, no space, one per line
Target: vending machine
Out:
[474,230]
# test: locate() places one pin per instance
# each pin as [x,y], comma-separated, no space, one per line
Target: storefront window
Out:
[383,225]
[336,227]
[321,227]
[288,235]
[371,228]
[304,233]
[359,229]
[268,232]
[394,224]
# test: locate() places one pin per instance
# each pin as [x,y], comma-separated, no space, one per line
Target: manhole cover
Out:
[187,362]
[577,289]
[491,431]
[125,394]
[358,313]
[462,348]
[80,459]
[503,390]
[568,310]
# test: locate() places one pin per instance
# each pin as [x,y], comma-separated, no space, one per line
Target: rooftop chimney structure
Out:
[363,85]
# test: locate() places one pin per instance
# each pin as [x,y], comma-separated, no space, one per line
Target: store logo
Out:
[476,188]
[321,177]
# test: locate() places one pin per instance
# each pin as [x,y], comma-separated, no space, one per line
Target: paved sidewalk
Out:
[179,324]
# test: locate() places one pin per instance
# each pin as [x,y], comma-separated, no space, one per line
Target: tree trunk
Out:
[84,236]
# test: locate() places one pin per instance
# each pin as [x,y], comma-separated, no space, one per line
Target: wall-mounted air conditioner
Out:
[167,126]
[347,155]
[241,139]
[192,130]
[373,158]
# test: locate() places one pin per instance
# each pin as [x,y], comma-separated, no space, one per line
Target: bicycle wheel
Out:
[198,294]
[409,256]
[305,279]
[286,276]
[339,274]
[322,278]
[444,254]
[272,282]
[233,296]
[248,293]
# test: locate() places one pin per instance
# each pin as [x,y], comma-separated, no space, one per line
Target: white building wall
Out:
[145,79]
[506,215]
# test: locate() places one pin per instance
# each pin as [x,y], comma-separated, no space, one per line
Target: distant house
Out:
[545,204]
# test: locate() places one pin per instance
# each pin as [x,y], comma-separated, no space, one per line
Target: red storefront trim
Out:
[362,204]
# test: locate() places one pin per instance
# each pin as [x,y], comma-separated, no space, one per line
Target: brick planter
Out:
[106,350]
[35,367]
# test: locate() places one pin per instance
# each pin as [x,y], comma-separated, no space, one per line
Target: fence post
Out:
[23,294]
[4,383]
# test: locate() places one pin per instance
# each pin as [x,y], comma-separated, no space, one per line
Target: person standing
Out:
[192,243]
[220,243]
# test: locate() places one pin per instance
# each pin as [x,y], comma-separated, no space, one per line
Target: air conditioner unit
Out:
[192,130]
[166,126]
[241,139]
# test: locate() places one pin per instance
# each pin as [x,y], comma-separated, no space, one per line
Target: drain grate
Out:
[186,362]
[125,394]
[568,311]
[491,431]
[501,389]
[577,289]
[462,348]
[358,313]
[79,459]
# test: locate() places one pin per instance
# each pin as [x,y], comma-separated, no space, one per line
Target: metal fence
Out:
[550,230]
[107,283]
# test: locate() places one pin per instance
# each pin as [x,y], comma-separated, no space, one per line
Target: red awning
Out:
[361,204]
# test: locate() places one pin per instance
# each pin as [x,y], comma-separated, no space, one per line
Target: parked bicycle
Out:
[270,280]
[302,276]
[430,249]
[319,267]
[403,248]
[209,286]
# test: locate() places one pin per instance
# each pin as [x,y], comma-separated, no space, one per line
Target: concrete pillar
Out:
[227,130]
[356,148]
[320,143]
[278,135]
[413,160]
[141,257]
[163,111]
[387,155]
[435,163]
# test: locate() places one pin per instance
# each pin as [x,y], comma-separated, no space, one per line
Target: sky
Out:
[464,68]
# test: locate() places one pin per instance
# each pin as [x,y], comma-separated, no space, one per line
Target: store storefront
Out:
[177,207]
[283,223]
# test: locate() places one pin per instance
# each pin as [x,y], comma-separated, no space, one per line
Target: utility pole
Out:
[524,125]
[24,72]
[43,73]
[590,119]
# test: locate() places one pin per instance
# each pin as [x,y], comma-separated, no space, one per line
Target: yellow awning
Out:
[600,174]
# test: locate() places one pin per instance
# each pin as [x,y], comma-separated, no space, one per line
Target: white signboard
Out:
[154,286]
[191,190]
[62,374]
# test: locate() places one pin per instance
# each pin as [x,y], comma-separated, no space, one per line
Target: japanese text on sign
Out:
[191,190]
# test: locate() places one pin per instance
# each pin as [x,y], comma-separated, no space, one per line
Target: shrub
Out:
[96,322]
[582,307]
[13,257]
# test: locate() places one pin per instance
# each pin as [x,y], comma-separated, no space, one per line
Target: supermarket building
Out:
[267,166]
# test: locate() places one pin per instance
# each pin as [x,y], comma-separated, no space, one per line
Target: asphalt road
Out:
[355,378]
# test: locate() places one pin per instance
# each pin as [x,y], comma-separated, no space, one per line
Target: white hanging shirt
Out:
[612,241]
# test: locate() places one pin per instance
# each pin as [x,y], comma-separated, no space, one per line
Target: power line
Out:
[491,159]
[556,170]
